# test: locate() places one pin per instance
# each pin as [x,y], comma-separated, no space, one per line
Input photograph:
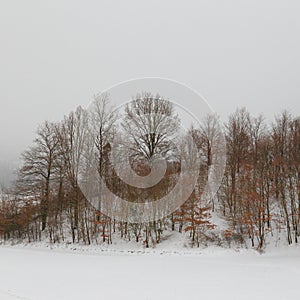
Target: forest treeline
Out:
[258,200]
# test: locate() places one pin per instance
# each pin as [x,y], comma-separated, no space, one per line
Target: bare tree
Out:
[72,134]
[150,123]
[39,166]
[102,131]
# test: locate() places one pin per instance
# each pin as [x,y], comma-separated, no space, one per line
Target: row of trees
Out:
[259,197]
[261,186]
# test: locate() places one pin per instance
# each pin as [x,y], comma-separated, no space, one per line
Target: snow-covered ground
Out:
[213,273]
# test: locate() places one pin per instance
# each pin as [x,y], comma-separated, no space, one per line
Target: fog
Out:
[56,55]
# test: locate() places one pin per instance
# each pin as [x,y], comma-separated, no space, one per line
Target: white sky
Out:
[57,54]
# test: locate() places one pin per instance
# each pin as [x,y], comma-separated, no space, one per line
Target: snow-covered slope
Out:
[43,274]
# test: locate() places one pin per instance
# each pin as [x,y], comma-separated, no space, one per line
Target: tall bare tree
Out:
[150,122]
[39,166]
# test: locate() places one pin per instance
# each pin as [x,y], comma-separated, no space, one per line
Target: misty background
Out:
[56,55]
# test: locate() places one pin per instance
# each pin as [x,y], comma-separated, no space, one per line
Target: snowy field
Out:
[42,274]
